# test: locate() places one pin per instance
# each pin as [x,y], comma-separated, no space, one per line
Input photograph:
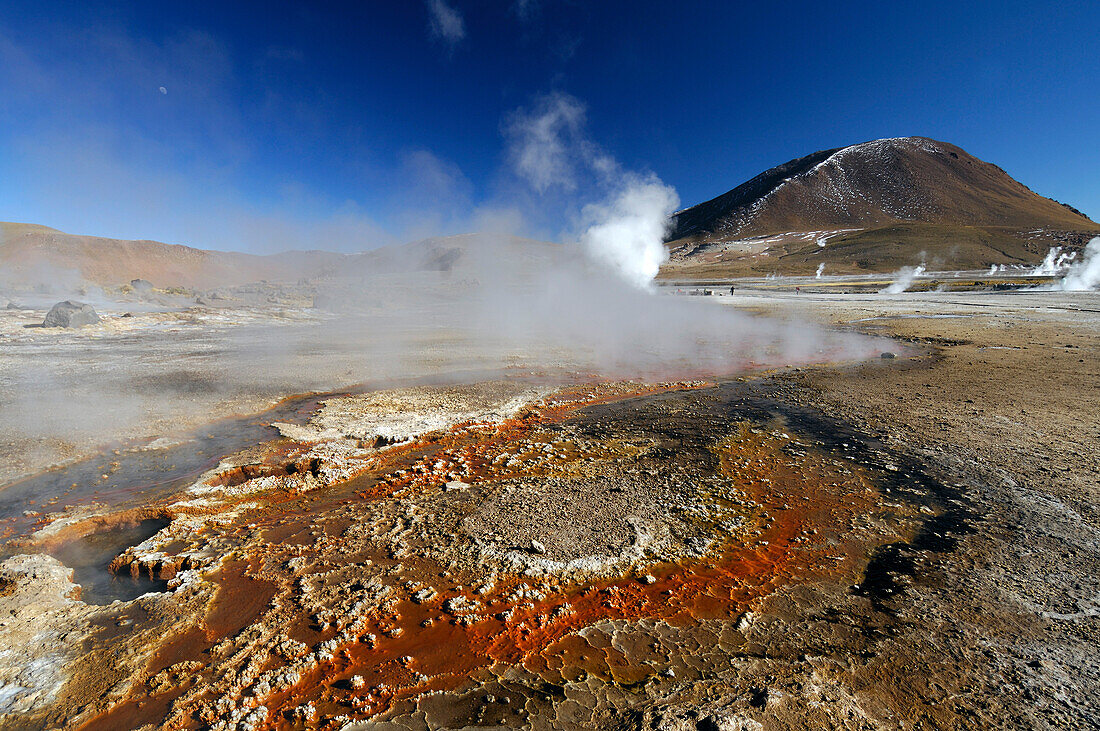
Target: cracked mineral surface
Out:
[890,545]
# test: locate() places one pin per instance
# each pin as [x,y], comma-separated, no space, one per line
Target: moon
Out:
[163,90]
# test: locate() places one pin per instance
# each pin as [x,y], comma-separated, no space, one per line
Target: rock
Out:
[41,628]
[70,314]
[887,355]
[537,547]
[307,711]
[380,441]
[730,723]
[13,306]
[141,285]
[456,485]
[424,595]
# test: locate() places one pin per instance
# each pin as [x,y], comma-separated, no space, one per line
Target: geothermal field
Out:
[403,366]
[386,501]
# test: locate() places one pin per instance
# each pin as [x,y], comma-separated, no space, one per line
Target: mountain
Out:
[42,258]
[38,255]
[872,207]
[463,255]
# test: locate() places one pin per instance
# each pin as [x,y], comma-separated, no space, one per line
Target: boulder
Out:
[70,314]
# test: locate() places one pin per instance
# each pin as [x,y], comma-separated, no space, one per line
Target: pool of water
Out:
[136,476]
[90,555]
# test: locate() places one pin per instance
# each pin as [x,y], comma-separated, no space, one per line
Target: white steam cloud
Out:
[1055,262]
[623,229]
[544,143]
[440,309]
[820,270]
[1083,276]
[444,309]
[627,232]
[445,22]
[903,280]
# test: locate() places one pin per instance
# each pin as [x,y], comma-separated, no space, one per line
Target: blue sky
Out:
[350,125]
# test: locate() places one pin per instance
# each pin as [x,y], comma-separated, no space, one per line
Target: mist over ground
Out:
[446,309]
[443,309]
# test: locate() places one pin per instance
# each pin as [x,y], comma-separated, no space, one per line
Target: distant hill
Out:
[872,207]
[471,254]
[35,254]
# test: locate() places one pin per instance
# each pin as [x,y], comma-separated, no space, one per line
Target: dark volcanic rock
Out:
[70,314]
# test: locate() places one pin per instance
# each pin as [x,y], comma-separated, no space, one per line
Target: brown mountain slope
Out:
[31,254]
[895,198]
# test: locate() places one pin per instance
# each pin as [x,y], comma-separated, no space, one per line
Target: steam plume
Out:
[903,280]
[437,309]
[624,228]
[627,232]
[1055,262]
[544,143]
[1083,276]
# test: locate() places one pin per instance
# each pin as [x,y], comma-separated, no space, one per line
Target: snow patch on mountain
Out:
[837,191]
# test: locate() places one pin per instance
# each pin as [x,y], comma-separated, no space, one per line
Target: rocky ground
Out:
[154,369]
[907,543]
[1002,410]
[146,370]
[158,365]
